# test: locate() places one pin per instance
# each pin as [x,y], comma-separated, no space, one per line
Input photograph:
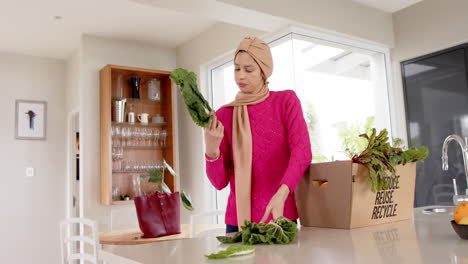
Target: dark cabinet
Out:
[436,102]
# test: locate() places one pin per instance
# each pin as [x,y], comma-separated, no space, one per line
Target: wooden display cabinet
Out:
[115,80]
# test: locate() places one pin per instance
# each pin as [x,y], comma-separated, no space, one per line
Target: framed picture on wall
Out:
[30,119]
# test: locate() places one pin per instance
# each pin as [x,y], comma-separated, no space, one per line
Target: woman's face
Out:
[247,73]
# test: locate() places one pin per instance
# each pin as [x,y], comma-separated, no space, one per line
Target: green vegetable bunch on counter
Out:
[198,108]
[380,157]
[281,231]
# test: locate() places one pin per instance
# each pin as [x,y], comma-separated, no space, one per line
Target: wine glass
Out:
[125,135]
[147,136]
[156,134]
[138,136]
[116,133]
[163,137]
[136,185]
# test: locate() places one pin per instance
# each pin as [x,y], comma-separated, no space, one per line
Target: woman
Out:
[259,143]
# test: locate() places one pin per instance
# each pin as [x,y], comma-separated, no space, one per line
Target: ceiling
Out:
[32,27]
[29,27]
[389,6]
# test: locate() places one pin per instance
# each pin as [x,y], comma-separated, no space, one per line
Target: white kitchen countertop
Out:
[426,239]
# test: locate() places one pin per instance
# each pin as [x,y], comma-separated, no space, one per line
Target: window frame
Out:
[397,116]
[394,96]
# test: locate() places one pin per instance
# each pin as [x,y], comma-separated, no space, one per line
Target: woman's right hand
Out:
[214,133]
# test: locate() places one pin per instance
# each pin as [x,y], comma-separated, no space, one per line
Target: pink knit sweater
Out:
[281,153]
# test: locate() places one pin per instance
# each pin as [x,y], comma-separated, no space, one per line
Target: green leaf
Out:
[380,157]
[165,188]
[183,196]
[155,176]
[198,108]
[237,237]
[232,251]
[281,231]
[186,201]
[169,168]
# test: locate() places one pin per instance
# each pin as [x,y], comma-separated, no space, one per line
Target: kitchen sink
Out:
[438,210]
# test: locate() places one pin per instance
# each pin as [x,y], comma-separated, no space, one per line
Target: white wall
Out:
[428,26]
[96,53]
[210,44]
[32,207]
[343,17]
[73,68]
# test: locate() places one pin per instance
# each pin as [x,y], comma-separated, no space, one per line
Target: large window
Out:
[342,88]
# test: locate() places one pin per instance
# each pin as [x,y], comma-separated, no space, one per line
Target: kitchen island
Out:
[425,239]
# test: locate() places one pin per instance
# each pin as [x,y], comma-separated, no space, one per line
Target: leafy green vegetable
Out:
[183,196]
[154,176]
[196,104]
[380,157]
[281,231]
[157,176]
[186,201]
[165,188]
[232,251]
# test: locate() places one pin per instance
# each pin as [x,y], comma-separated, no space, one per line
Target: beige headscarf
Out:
[241,133]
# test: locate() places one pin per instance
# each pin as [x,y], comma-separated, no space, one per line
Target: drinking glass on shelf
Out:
[127,132]
[154,90]
[120,157]
[149,137]
[145,135]
[136,185]
[116,134]
[136,136]
[126,165]
[117,157]
[159,165]
[120,154]
[113,135]
[154,164]
[124,137]
[138,165]
[128,136]
[132,133]
[163,138]
[156,134]
[115,193]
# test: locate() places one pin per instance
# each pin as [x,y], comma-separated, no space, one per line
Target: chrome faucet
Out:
[463,143]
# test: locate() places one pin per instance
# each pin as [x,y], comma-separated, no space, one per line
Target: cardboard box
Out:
[347,201]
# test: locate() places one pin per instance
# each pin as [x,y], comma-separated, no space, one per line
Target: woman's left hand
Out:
[276,204]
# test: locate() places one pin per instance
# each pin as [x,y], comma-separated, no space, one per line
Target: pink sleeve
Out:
[219,171]
[298,140]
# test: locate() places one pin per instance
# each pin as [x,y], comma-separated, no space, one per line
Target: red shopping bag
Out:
[158,214]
